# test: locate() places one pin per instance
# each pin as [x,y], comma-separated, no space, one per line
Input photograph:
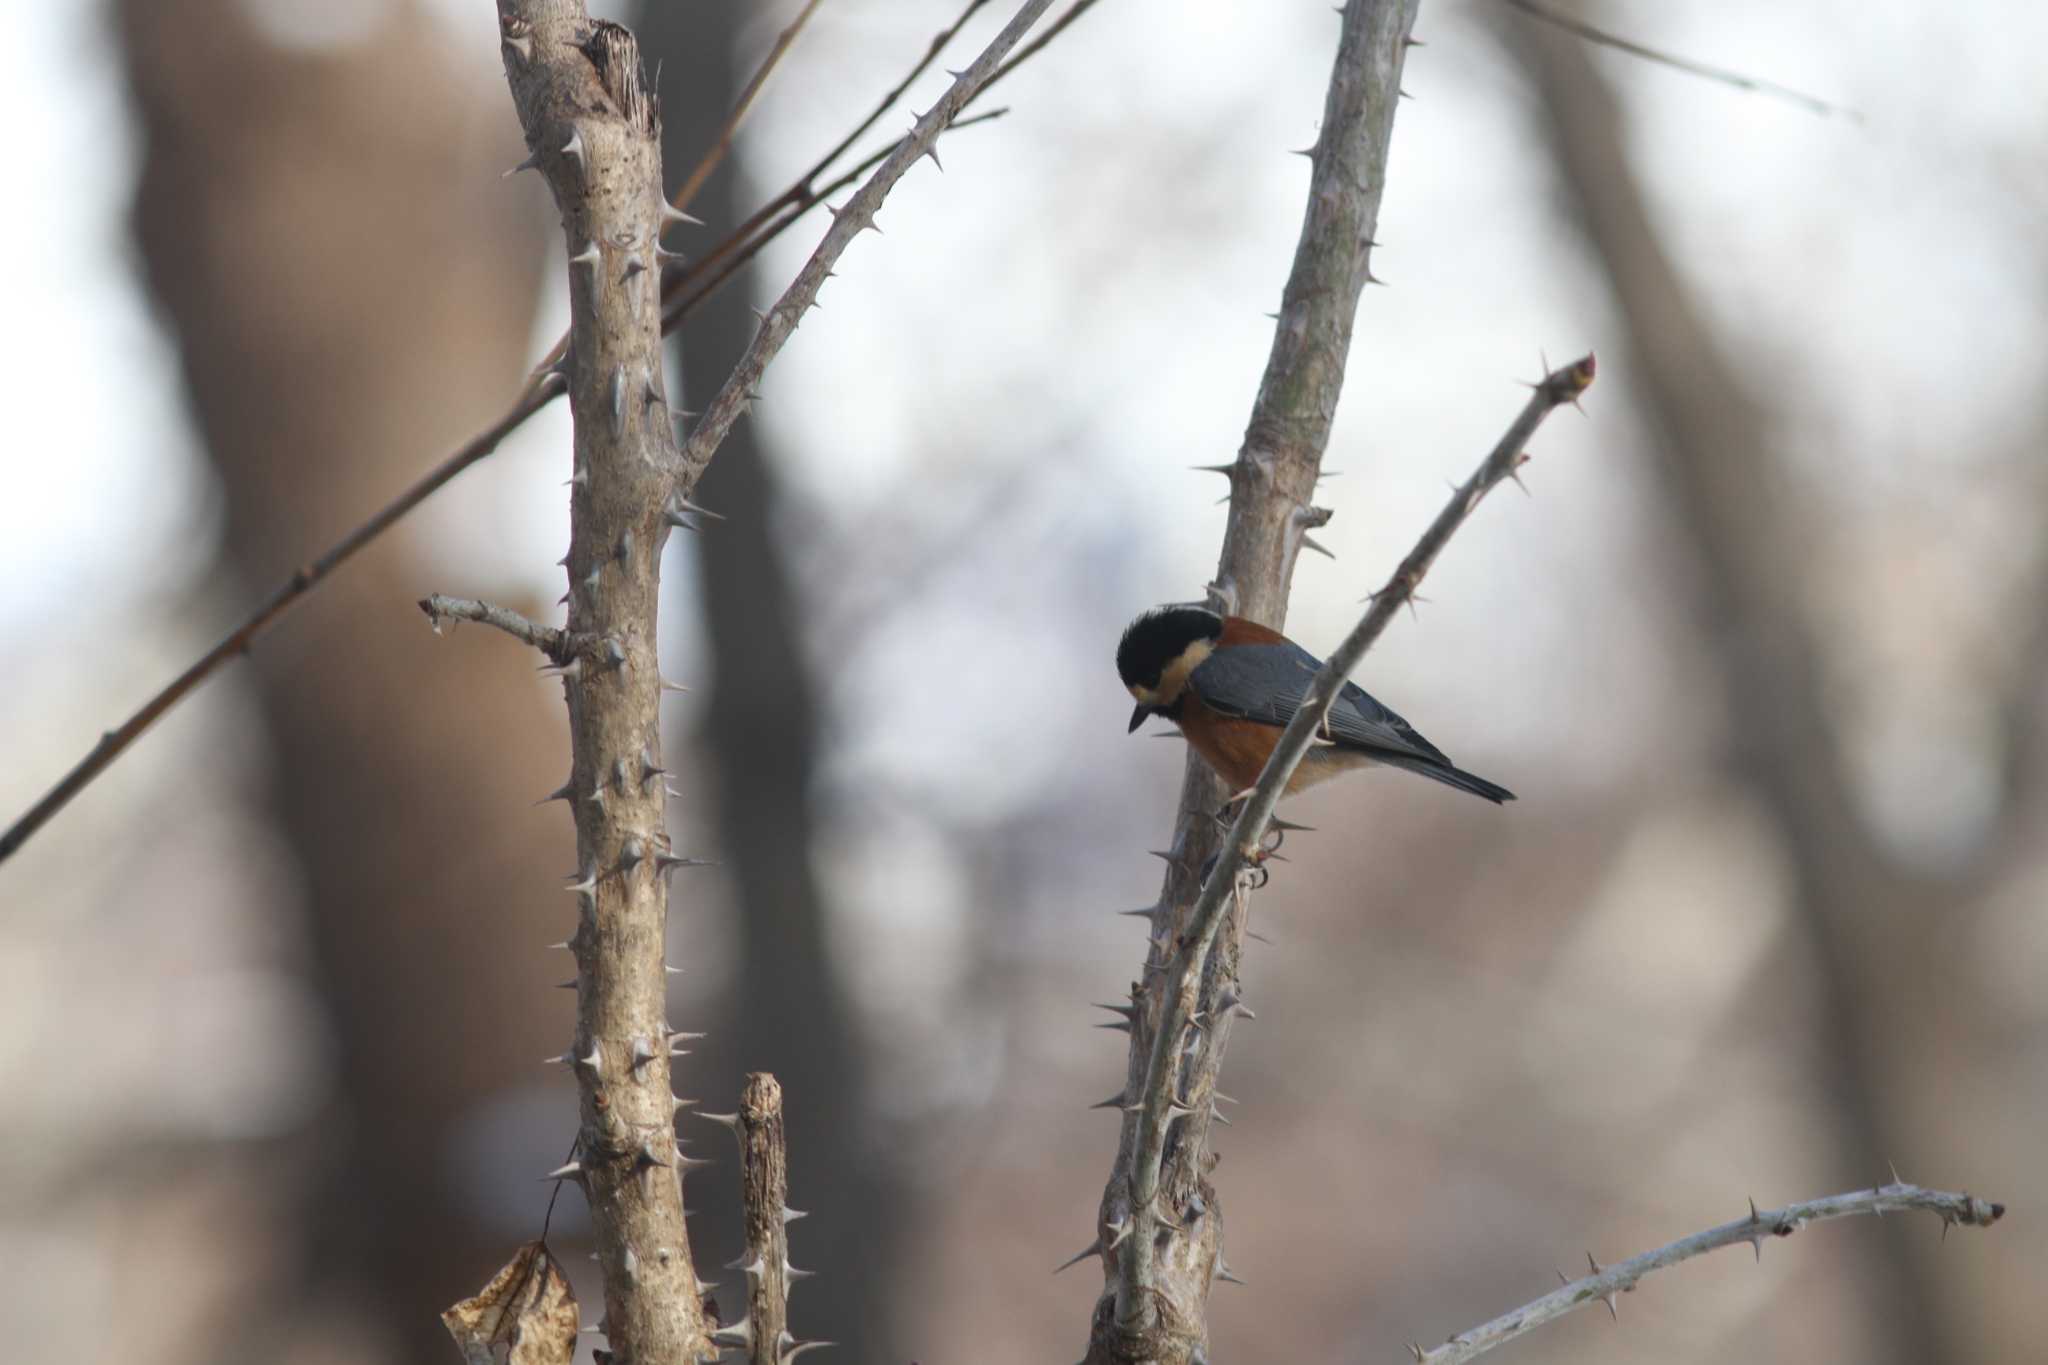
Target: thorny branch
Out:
[541,388]
[1159,1228]
[1603,1283]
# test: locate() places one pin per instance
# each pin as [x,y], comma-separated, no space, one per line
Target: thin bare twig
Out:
[732,255]
[1603,1283]
[857,216]
[740,109]
[1579,28]
[540,389]
[556,644]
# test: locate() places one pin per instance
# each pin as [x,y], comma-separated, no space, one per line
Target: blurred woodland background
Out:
[1765,655]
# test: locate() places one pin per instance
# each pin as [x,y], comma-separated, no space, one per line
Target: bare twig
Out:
[548,640]
[1605,1282]
[1159,1226]
[857,216]
[1579,28]
[742,106]
[540,389]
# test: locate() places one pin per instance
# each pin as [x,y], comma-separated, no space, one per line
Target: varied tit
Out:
[1232,686]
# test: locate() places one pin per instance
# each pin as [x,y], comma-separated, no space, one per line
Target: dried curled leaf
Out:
[526,1315]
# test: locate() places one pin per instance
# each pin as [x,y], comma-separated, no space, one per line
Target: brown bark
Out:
[348,290]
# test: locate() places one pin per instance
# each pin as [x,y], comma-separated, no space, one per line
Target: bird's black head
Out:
[1159,650]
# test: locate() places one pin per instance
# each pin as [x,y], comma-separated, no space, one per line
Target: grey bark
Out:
[594,130]
[1161,1235]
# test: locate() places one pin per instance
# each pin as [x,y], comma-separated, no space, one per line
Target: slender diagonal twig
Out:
[802,193]
[1579,28]
[724,264]
[1604,1282]
[742,106]
[539,391]
[779,323]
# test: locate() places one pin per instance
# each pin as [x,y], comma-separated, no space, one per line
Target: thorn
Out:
[790,1215]
[1311,543]
[739,1336]
[648,1156]
[588,256]
[1146,910]
[623,551]
[649,769]
[619,398]
[586,883]
[635,264]
[797,1348]
[1226,1274]
[731,1121]
[614,653]
[594,1060]
[671,216]
[1094,1248]
[574,146]
[631,854]
[1415,1350]
[572,1171]
[1115,1101]
[561,793]
[643,1053]
[629,1264]
[795,1274]
[1224,469]
[532,163]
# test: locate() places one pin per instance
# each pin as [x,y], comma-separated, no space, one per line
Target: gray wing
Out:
[1266,683]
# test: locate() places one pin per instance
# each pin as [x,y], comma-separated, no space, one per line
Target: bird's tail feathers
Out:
[1449,776]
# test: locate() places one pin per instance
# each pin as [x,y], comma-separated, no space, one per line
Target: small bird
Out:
[1232,686]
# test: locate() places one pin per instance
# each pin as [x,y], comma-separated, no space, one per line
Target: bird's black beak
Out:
[1138,717]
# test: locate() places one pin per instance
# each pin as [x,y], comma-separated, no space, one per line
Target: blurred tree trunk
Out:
[351,288]
[761,734]
[1734,502]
